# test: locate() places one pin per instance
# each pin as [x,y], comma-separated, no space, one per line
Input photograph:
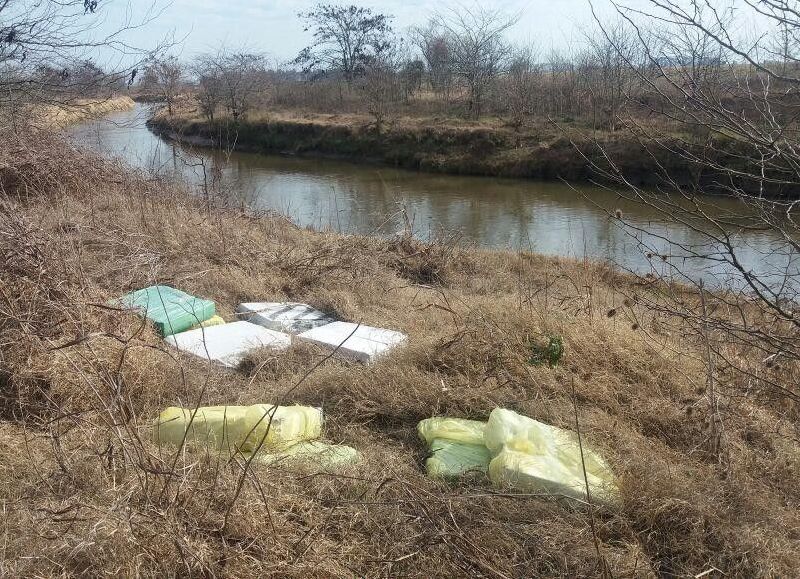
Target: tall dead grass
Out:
[56,116]
[85,492]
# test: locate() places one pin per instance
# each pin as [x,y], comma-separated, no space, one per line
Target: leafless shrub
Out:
[235,79]
[728,104]
[44,46]
[477,49]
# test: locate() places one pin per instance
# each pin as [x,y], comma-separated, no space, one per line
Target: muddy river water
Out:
[544,217]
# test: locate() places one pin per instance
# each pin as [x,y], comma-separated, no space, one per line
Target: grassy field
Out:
[86,492]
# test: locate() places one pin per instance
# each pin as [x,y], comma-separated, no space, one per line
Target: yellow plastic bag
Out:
[216,427]
[539,457]
[455,429]
[542,473]
[239,427]
[279,427]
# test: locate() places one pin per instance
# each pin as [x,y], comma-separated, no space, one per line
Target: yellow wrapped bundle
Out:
[216,427]
[238,427]
[455,429]
[280,426]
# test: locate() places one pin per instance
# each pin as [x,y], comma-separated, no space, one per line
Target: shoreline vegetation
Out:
[461,147]
[86,491]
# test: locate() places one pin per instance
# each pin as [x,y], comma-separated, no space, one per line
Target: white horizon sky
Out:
[273,27]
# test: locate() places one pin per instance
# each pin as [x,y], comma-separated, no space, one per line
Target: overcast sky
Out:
[272,26]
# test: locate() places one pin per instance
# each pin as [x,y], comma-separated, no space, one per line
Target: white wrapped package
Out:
[536,456]
[288,317]
[359,343]
[230,343]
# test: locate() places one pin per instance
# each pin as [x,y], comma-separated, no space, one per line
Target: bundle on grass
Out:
[86,491]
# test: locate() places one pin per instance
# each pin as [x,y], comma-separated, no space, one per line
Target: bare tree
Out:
[690,54]
[345,39]
[562,86]
[243,77]
[168,73]
[37,35]
[478,49]
[435,50]
[381,84]
[520,86]
[784,48]
[209,89]
[605,69]
[230,78]
[412,73]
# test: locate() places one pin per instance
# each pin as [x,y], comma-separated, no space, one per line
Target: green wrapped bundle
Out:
[172,311]
[456,446]
[450,459]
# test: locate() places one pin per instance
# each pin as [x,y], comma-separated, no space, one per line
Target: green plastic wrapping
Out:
[450,459]
[320,455]
[170,310]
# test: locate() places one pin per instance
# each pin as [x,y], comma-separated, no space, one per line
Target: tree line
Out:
[462,63]
[459,63]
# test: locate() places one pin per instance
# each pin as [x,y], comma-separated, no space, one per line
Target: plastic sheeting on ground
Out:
[354,342]
[230,343]
[288,317]
[456,446]
[314,453]
[531,455]
[171,311]
[244,428]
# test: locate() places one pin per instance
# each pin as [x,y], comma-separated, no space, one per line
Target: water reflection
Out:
[549,218]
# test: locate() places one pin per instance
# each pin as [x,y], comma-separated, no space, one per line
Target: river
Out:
[544,217]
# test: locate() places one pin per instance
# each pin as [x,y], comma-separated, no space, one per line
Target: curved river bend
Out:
[549,218]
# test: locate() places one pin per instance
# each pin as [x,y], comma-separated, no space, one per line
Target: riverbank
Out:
[85,491]
[443,145]
[61,116]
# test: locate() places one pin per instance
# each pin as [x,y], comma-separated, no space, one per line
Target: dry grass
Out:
[85,492]
[417,123]
[59,116]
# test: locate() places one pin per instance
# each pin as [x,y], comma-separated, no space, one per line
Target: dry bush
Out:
[86,492]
